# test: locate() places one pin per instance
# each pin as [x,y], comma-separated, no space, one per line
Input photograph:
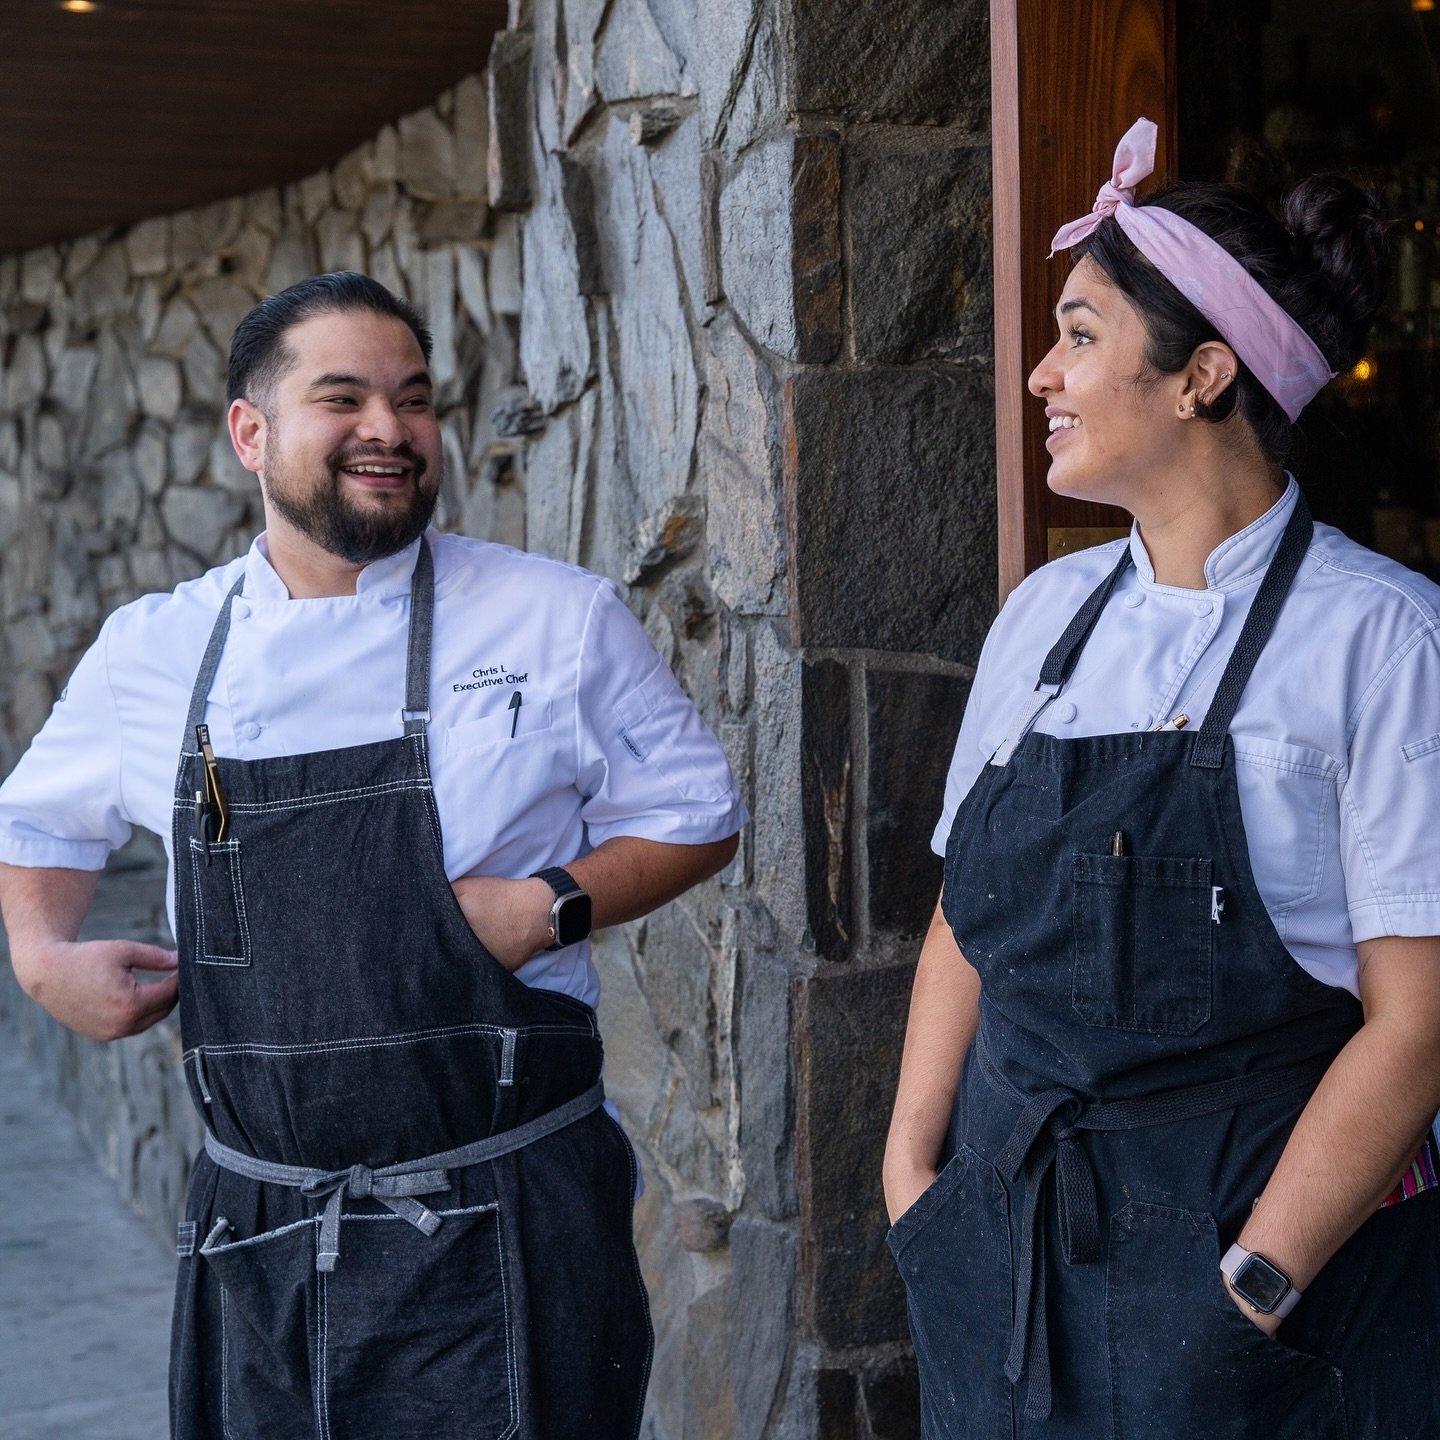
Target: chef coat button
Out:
[1134,598]
[239,610]
[249,730]
[1204,607]
[1065,713]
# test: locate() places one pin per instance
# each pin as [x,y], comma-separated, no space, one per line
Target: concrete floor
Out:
[84,1289]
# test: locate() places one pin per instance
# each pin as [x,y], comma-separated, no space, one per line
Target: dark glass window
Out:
[1271,92]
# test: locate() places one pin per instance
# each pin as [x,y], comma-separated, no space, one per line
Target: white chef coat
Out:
[606,743]
[1337,738]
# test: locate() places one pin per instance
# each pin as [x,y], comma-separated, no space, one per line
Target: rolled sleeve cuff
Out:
[35,852]
[698,825]
[1409,915]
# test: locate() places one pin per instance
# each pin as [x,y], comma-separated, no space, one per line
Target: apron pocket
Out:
[415,1331]
[267,1332]
[1142,943]
[1184,1362]
[220,921]
[952,1247]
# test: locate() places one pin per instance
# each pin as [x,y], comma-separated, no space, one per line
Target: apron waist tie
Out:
[396,1186]
[1046,1137]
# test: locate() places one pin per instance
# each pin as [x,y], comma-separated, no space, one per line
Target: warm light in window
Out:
[84,7]
[1422,5]
[1364,370]
[1419,225]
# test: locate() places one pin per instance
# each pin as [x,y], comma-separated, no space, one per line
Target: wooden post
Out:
[1066,82]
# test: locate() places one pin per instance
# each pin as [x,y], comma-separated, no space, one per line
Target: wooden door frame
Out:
[1066,83]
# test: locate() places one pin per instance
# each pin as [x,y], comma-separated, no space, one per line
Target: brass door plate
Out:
[1066,539]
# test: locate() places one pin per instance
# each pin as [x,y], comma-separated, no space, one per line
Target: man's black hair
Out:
[259,355]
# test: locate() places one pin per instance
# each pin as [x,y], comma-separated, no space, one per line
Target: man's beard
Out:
[357,533]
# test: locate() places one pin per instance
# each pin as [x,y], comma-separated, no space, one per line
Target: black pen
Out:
[515,710]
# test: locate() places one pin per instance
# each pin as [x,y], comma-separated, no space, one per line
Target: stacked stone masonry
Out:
[710,288]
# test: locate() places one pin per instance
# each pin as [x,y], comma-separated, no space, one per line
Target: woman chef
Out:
[1177,1029]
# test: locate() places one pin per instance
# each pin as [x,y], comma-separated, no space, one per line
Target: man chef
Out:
[400,775]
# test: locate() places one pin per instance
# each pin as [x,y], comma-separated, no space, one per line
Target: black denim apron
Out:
[412,1219]
[1145,1046]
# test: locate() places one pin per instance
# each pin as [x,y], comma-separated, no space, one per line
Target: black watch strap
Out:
[560,880]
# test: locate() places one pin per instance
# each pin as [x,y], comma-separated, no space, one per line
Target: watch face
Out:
[1260,1283]
[572,919]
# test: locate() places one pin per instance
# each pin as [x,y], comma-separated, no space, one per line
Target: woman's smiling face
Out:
[1108,433]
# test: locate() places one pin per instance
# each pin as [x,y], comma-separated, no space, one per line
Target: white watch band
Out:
[1235,1257]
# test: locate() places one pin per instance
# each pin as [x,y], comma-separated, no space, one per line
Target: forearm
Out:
[944,1014]
[1365,1120]
[40,907]
[628,877]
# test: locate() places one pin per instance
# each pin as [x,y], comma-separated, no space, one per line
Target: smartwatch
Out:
[570,914]
[1259,1282]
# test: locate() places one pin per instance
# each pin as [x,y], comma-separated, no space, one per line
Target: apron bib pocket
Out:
[1184,1362]
[1142,943]
[952,1247]
[221,924]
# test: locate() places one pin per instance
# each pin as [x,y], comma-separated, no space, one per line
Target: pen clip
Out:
[214,796]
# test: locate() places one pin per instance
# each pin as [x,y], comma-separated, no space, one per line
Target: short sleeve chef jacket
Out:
[1337,738]
[605,743]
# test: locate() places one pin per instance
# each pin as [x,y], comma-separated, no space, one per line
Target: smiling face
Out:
[1109,436]
[350,453]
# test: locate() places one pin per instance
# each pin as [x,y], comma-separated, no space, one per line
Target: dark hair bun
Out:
[1339,235]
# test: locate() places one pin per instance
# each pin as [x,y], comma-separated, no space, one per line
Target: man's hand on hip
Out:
[510,918]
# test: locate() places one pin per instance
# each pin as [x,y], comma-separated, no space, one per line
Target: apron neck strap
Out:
[1269,600]
[200,693]
[416,714]
[1066,651]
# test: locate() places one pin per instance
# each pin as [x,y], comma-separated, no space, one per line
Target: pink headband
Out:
[1281,356]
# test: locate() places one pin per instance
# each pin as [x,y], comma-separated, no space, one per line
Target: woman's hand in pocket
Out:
[905,1183]
[510,918]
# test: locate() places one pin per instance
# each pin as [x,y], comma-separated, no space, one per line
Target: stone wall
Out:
[710,285]
[756,341]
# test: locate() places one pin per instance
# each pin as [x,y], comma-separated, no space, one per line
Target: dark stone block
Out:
[835,1404]
[919,225]
[827,801]
[850,1027]
[818,271]
[912,722]
[908,60]
[508,91]
[762,1285]
[890,508]
[765,1081]
[892,1404]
